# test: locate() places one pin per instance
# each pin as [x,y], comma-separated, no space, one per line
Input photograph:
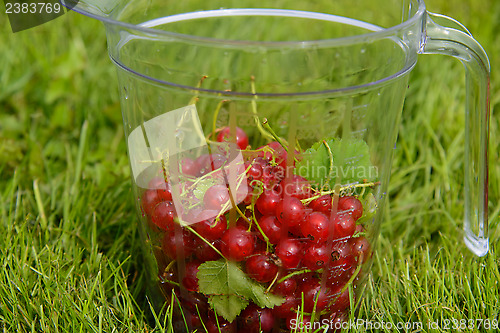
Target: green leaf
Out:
[337,161]
[228,306]
[229,289]
[369,209]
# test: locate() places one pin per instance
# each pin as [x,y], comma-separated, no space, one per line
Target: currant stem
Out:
[203,239]
[296,273]
[170,264]
[282,142]
[216,114]
[330,157]
[272,283]
[321,193]
[254,110]
[194,99]
[266,239]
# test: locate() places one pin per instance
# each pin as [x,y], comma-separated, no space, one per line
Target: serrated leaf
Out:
[230,289]
[228,306]
[348,162]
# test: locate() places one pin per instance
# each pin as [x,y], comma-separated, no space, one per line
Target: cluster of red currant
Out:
[299,243]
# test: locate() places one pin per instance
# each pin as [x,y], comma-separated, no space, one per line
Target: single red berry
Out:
[290,211]
[163,188]
[189,167]
[338,275]
[192,302]
[267,202]
[237,244]
[304,278]
[296,186]
[261,268]
[178,245]
[341,255]
[352,206]
[163,215]
[205,252]
[190,279]
[322,204]
[340,301]
[344,225]
[286,287]
[278,154]
[316,256]
[271,228]
[316,227]
[314,295]
[219,324]
[360,248]
[240,137]
[213,227]
[193,321]
[290,251]
[150,198]
[216,197]
[209,162]
[255,320]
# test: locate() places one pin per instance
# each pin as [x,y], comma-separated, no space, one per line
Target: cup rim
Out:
[146,27]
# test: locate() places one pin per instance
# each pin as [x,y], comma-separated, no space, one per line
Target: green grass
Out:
[70,254]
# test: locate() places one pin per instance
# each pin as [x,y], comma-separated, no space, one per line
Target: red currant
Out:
[290,251]
[189,167]
[241,137]
[178,245]
[279,154]
[352,206]
[213,227]
[163,188]
[205,252]
[316,256]
[261,268]
[150,198]
[216,197]
[360,247]
[255,320]
[314,295]
[316,227]
[163,215]
[296,186]
[342,255]
[341,300]
[338,275]
[219,324]
[271,228]
[344,225]
[290,211]
[193,302]
[190,279]
[286,287]
[267,202]
[209,162]
[237,244]
[322,204]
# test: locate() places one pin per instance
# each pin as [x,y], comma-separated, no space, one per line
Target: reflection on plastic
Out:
[163,144]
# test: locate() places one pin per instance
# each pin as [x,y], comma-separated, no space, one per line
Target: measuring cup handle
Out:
[444,35]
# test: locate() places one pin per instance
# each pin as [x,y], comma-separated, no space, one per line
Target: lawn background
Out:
[70,259]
